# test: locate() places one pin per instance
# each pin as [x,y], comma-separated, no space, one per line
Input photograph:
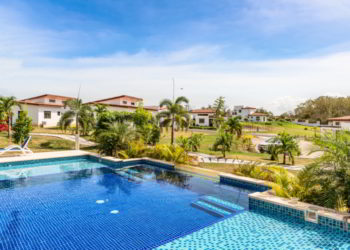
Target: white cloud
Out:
[278,85]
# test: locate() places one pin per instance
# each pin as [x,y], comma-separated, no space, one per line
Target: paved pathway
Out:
[67,137]
[213,159]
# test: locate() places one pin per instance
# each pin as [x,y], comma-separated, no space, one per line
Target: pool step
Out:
[225,205]
[210,209]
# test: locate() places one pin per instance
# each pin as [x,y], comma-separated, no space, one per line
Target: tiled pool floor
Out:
[249,230]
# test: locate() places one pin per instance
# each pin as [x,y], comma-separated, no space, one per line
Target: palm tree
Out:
[78,113]
[223,142]
[174,114]
[234,126]
[100,109]
[287,145]
[6,106]
[115,138]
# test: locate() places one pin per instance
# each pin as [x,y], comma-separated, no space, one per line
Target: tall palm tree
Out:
[288,146]
[6,105]
[234,126]
[78,113]
[175,113]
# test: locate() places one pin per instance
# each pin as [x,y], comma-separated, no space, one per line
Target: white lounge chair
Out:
[18,148]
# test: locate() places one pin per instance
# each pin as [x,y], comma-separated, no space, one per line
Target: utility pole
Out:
[173,90]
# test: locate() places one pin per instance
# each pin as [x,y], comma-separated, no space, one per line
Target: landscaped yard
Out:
[209,139]
[43,144]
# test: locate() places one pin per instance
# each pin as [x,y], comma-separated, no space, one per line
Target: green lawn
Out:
[208,140]
[277,127]
[43,144]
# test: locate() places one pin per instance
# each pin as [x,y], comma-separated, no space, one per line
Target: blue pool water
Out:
[83,204]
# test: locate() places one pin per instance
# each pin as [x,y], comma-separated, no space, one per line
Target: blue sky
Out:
[211,48]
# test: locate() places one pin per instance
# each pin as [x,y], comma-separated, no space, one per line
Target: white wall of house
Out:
[202,119]
[242,111]
[45,116]
[122,101]
[342,124]
[254,118]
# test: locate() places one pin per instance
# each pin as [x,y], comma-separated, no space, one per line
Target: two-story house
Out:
[125,103]
[243,112]
[45,110]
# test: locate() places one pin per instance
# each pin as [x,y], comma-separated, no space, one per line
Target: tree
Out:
[100,109]
[6,105]
[287,145]
[220,111]
[234,126]
[327,181]
[78,113]
[115,138]
[223,142]
[22,127]
[175,114]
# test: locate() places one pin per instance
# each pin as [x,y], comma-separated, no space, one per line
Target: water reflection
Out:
[113,183]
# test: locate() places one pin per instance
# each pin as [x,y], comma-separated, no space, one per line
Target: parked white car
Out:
[264,146]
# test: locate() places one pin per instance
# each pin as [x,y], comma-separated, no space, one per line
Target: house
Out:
[257,117]
[203,117]
[125,103]
[340,122]
[243,112]
[45,110]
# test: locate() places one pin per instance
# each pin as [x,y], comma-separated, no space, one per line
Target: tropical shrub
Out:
[223,142]
[115,138]
[6,106]
[327,181]
[234,126]
[287,145]
[22,128]
[247,142]
[192,143]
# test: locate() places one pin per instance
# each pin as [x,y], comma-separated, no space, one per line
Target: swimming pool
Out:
[81,203]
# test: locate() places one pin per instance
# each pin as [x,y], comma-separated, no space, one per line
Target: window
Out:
[125,102]
[258,118]
[47,114]
[239,111]
[58,113]
[133,103]
[202,114]
[337,123]
[201,120]
[52,100]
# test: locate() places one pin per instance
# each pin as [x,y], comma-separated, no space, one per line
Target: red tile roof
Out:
[125,106]
[248,108]
[202,111]
[340,119]
[131,98]
[64,98]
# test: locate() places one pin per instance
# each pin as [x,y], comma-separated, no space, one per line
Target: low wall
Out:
[264,201]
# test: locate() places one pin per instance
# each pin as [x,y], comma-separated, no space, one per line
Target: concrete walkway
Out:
[204,158]
[66,137]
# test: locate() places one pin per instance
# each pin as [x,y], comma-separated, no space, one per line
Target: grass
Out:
[209,139]
[278,127]
[43,144]
[229,168]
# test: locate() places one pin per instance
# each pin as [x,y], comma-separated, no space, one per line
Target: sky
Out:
[264,53]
